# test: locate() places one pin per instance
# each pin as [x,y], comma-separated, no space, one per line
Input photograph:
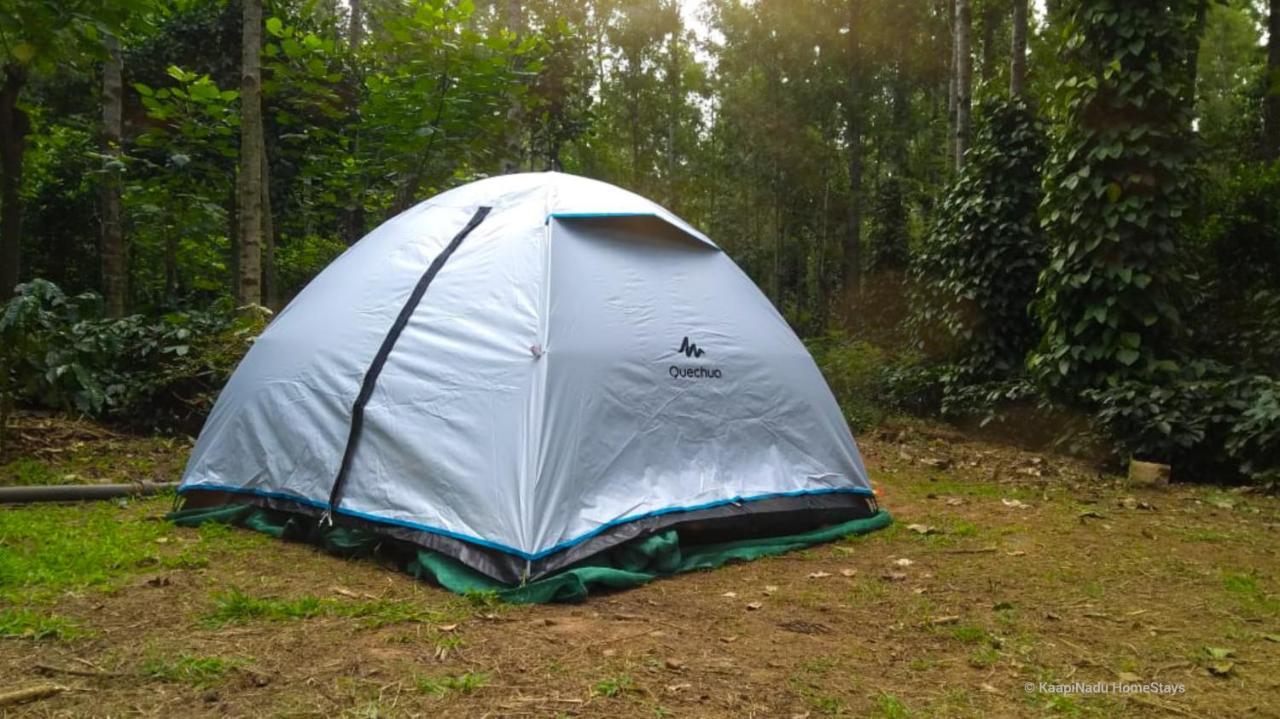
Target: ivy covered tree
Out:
[982,259]
[1117,182]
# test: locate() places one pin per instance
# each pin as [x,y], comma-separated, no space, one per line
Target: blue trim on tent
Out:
[589,215]
[512,550]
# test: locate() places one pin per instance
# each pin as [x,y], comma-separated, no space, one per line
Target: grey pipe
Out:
[81,492]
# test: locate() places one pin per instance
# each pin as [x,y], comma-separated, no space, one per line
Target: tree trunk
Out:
[513,155]
[674,77]
[14,126]
[270,280]
[851,269]
[952,73]
[1271,128]
[355,24]
[249,285]
[989,22]
[1018,48]
[964,80]
[114,269]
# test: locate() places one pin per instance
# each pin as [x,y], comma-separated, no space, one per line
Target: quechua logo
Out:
[693,351]
[690,349]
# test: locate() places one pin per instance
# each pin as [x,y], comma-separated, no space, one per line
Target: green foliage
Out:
[1238,320]
[977,270]
[856,372]
[60,353]
[888,239]
[1117,182]
[1207,424]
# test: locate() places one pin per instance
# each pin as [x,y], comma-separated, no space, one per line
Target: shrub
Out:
[59,352]
[1207,424]
[855,371]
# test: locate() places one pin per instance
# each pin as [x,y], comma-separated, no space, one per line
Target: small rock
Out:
[674,664]
[753,606]
[848,572]
[904,562]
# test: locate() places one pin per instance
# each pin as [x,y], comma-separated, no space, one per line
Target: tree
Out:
[852,267]
[114,268]
[1272,87]
[248,282]
[964,80]
[1117,183]
[1018,50]
[37,35]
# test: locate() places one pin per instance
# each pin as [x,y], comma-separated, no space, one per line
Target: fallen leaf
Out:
[1128,677]
[729,639]
[769,589]
[819,575]
[1016,553]
[1015,503]
[730,595]
[955,502]
[753,606]
[447,627]
[904,562]
[1053,617]
[989,689]
[677,688]
[854,572]
[674,664]
[941,621]
[922,529]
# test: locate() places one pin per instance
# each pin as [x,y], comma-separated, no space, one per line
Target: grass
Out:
[889,706]
[443,686]
[47,549]
[196,671]
[236,607]
[613,686]
[1249,593]
[28,624]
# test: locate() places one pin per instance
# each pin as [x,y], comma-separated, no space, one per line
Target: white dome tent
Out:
[528,370]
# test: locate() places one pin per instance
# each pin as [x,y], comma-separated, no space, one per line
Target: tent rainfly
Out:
[526,372]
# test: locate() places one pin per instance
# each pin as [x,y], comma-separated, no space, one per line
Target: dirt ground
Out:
[1005,574]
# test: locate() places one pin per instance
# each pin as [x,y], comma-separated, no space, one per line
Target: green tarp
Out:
[628,565]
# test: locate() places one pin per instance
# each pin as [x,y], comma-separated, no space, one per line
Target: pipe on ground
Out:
[81,492]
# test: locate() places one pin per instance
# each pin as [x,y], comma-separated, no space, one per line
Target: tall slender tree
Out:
[852,267]
[1018,49]
[14,126]
[249,275]
[114,268]
[964,80]
[1271,131]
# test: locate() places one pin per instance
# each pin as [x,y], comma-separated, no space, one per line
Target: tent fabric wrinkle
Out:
[528,371]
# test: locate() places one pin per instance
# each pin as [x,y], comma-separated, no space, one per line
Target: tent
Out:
[524,374]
